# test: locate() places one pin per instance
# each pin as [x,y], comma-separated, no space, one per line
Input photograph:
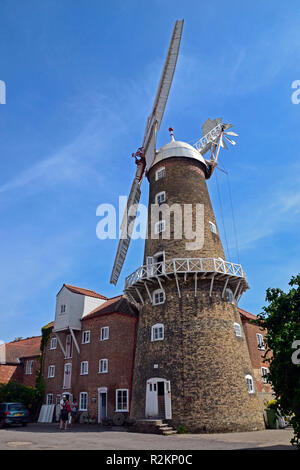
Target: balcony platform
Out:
[154,275]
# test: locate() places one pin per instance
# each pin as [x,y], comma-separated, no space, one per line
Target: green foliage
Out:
[181,430]
[40,382]
[17,392]
[281,319]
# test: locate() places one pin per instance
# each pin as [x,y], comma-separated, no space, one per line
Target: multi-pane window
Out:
[86,335]
[84,368]
[103,366]
[249,383]
[160,226]
[62,309]
[158,297]
[260,341]
[238,330]
[28,369]
[49,399]
[213,227]
[264,374]
[160,197]
[83,401]
[104,333]
[157,332]
[122,399]
[51,371]
[53,343]
[160,173]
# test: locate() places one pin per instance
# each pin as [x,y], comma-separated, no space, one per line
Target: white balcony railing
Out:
[185,265]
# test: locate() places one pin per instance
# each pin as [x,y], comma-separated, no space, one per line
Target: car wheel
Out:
[2,423]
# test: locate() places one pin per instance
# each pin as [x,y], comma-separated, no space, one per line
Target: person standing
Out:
[74,411]
[65,409]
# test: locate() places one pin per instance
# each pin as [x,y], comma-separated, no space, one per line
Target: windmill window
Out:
[160,227]
[249,383]
[238,330]
[264,374]
[62,309]
[157,332]
[160,173]
[160,197]
[229,296]
[158,297]
[213,227]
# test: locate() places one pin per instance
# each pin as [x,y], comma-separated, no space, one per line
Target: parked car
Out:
[13,413]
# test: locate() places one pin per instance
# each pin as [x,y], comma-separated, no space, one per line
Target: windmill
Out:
[214,132]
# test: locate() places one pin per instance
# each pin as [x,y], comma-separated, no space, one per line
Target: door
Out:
[158,399]
[102,404]
[67,375]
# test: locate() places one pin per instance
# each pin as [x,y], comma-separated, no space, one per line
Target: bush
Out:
[17,392]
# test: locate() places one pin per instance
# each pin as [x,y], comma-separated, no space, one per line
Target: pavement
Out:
[37,436]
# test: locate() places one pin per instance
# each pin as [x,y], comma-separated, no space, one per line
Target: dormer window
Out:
[160,173]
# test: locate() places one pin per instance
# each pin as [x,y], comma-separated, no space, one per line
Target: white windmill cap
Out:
[177,148]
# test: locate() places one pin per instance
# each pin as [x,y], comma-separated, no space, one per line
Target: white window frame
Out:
[238,330]
[158,292]
[213,227]
[49,399]
[158,197]
[250,383]
[160,173]
[53,342]
[29,367]
[264,372]
[84,367]
[260,341]
[86,337]
[159,227]
[104,337]
[103,366]
[69,340]
[51,371]
[127,399]
[81,395]
[160,329]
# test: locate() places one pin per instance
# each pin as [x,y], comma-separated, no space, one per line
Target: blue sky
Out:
[81,78]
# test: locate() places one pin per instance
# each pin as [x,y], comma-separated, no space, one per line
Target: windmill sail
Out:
[126,230]
[149,148]
[155,118]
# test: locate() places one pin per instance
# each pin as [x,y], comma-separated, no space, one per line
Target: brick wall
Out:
[118,349]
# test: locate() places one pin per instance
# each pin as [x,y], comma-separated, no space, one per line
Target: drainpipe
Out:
[132,363]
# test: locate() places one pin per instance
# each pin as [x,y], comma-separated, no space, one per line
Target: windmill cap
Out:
[177,148]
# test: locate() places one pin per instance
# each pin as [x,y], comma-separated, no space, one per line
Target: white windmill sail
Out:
[149,148]
[155,118]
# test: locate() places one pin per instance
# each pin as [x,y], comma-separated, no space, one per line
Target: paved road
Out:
[92,437]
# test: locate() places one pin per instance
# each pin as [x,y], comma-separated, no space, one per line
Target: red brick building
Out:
[256,346]
[90,352]
[19,361]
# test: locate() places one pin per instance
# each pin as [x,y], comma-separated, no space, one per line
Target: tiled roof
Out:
[88,292]
[28,347]
[117,304]
[246,314]
[6,373]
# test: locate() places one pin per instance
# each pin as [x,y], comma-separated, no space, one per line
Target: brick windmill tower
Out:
[191,367]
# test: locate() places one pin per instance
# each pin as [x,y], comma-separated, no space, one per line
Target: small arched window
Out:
[229,296]
[157,332]
[158,297]
[249,383]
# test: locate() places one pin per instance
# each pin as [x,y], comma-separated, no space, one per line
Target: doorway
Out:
[102,404]
[158,399]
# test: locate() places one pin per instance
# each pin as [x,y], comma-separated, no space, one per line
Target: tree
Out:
[281,319]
